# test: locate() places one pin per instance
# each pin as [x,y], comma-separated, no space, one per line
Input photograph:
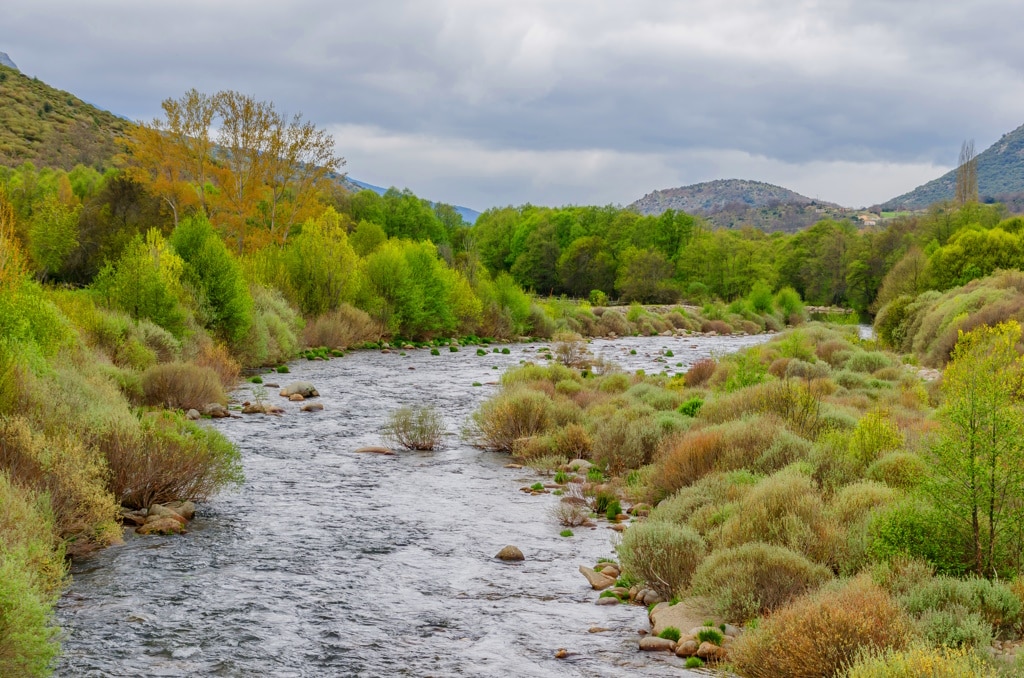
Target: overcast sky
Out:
[492,102]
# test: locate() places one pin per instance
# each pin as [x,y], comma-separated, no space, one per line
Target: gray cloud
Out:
[611,94]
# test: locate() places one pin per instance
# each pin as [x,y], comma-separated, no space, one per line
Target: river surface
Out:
[331,563]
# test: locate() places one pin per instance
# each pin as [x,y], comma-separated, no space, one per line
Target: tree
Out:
[967,174]
[586,265]
[53,235]
[216,278]
[978,484]
[644,276]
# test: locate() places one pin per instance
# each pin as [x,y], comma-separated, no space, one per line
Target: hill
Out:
[1000,177]
[734,203]
[52,128]
[468,215]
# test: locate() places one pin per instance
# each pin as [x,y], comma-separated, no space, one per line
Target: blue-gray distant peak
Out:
[6,61]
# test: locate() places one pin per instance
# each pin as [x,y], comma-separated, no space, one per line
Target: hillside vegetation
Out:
[52,128]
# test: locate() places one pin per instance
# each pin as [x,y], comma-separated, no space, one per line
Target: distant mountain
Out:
[50,127]
[1000,177]
[734,203]
[469,215]
[6,61]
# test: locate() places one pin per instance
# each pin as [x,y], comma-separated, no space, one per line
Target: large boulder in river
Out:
[597,580]
[302,388]
[510,553]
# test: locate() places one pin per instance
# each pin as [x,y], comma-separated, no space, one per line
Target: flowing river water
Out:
[331,563]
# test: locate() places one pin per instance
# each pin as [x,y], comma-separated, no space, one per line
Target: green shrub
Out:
[911,528]
[784,509]
[626,440]
[414,428]
[993,602]
[954,626]
[28,639]
[692,406]
[181,386]
[867,361]
[661,554]
[671,633]
[653,396]
[901,470]
[565,533]
[710,635]
[755,578]
[694,662]
[823,633]
[613,509]
[875,434]
[273,334]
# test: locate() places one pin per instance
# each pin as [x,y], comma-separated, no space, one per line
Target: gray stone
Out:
[161,526]
[192,415]
[303,388]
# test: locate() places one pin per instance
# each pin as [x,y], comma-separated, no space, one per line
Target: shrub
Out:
[694,662]
[181,386]
[655,397]
[572,441]
[823,633]
[867,361]
[700,372]
[875,433]
[662,554]
[911,528]
[784,509]
[671,633]
[217,358]
[993,602]
[799,369]
[691,407]
[687,458]
[273,335]
[569,513]
[414,428]
[513,414]
[901,470]
[787,300]
[67,473]
[344,327]
[710,635]
[921,661]
[627,440]
[28,641]
[755,578]
[570,349]
[613,509]
[166,458]
[954,626]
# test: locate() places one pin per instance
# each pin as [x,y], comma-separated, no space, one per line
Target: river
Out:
[331,563]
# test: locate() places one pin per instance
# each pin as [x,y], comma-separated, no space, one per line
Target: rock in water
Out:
[303,388]
[373,449]
[597,580]
[654,644]
[162,526]
[510,553]
[312,407]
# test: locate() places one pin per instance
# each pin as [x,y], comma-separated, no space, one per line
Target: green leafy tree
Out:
[978,484]
[53,235]
[215,277]
[644,276]
[321,264]
[145,282]
[585,266]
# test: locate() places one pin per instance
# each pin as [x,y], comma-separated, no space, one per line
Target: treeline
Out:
[616,253]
